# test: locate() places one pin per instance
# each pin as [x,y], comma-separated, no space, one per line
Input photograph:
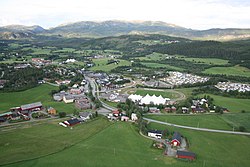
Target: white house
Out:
[68,99]
[124,118]
[155,134]
[134,117]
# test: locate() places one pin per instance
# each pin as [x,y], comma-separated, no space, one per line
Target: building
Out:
[85,115]
[83,104]
[134,117]
[32,106]
[70,122]
[116,113]
[176,139]
[153,109]
[68,99]
[155,134]
[124,118]
[51,111]
[185,155]
[75,91]
[156,100]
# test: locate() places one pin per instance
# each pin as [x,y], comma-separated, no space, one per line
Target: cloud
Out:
[197,14]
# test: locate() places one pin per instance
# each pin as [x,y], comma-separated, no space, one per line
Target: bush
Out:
[62,114]
[242,129]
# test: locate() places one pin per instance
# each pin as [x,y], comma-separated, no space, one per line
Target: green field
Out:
[236,71]
[237,120]
[101,64]
[201,121]
[209,61]
[29,142]
[40,93]
[154,56]
[232,104]
[163,93]
[186,91]
[158,65]
[214,149]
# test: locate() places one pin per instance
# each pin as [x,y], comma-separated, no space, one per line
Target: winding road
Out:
[198,129]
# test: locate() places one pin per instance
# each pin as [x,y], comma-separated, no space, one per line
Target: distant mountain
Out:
[116,28]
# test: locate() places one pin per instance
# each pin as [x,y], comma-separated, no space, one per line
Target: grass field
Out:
[163,93]
[158,65]
[186,91]
[209,61]
[40,93]
[201,121]
[232,104]
[236,71]
[237,120]
[101,64]
[214,149]
[30,142]
[154,56]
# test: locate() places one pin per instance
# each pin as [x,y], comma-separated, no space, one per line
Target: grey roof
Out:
[177,136]
[85,114]
[30,106]
[185,153]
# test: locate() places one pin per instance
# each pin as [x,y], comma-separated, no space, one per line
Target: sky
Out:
[195,14]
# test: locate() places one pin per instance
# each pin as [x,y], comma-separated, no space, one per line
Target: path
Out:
[198,129]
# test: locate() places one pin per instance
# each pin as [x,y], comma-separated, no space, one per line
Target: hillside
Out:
[116,28]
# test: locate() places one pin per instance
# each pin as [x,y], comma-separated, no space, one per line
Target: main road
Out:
[198,129]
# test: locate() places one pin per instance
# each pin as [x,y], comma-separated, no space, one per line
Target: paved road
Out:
[198,129]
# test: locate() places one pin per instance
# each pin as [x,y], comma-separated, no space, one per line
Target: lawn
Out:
[214,149]
[235,70]
[101,64]
[209,61]
[158,65]
[163,93]
[29,142]
[201,121]
[232,104]
[40,93]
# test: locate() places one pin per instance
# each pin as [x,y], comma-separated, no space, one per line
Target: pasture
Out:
[158,65]
[209,61]
[101,64]
[235,71]
[39,93]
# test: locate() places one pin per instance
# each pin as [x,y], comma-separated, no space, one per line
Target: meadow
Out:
[101,64]
[39,93]
[214,149]
[232,104]
[158,65]
[209,61]
[235,71]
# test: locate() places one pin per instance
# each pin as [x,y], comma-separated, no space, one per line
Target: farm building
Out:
[70,122]
[32,106]
[85,115]
[51,111]
[155,134]
[185,155]
[176,139]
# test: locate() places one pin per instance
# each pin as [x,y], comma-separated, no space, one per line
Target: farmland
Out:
[232,104]
[101,64]
[214,149]
[40,93]
[235,70]
[158,65]
[209,61]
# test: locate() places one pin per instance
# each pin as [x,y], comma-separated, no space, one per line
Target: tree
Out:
[63,87]
[242,129]
[62,114]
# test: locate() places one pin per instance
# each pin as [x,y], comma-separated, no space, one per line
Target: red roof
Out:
[116,112]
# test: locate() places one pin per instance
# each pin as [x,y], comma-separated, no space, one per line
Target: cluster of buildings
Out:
[175,147]
[117,115]
[155,100]
[115,97]
[83,117]
[229,86]
[178,78]
[38,62]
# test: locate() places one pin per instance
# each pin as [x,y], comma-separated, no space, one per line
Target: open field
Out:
[214,149]
[236,71]
[40,93]
[163,93]
[154,56]
[101,64]
[237,120]
[158,65]
[30,142]
[209,61]
[186,91]
[232,104]
[201,121]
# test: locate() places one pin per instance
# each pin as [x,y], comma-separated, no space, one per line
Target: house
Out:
[75,91]
[83,104]
[155,134]
[32,106]
[85,115]
[124,118]
[184,110]
[167,109]
[116,113]
[134,117]
[153,109]
[51,111]
[185,155]
[68,99]
[176,139]
[72,122]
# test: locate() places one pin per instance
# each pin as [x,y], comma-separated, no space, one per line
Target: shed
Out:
[185,155]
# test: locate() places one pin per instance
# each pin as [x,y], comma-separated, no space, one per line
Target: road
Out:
[198,129]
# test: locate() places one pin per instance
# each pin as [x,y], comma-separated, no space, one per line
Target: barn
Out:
[176,139]
[185,155]
[32,106]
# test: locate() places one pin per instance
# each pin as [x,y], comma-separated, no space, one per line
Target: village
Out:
[230,86]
